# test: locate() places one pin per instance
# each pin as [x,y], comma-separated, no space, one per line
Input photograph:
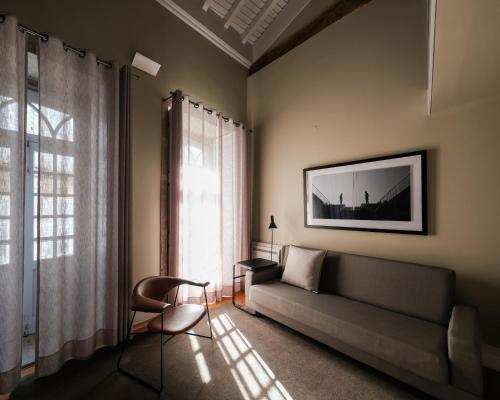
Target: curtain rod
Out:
[44,37]
[209,110]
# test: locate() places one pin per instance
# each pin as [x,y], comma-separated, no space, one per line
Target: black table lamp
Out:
[272,226]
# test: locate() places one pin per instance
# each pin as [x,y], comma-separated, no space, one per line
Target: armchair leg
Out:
[161,354]
[208,311]
[209,321]
[176,294]
[125,342]
[136,378]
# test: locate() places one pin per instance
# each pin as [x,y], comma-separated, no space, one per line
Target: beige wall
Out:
[467,53]
[115,30]
[358,90]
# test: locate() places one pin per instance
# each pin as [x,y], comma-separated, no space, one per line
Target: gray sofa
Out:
[398,317]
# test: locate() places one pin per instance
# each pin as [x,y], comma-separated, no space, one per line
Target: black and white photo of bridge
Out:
[377,194]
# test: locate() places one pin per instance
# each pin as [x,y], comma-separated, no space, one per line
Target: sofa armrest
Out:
[464,350]
[256,277]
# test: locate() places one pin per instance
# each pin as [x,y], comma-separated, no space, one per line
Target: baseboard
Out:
[491,357]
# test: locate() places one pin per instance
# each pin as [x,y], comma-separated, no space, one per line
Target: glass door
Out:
[30,207]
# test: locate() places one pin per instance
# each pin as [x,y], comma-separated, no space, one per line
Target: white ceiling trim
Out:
[274,31]
[179,12]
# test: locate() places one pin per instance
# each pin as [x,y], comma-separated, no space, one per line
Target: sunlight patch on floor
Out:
[200,360]
[252,375]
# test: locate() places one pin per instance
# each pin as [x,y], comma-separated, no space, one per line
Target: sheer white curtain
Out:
[12,95]
[77,206]
[234,206]
[213,220]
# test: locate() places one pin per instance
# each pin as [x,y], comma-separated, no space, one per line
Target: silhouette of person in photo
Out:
[367,197]
[341,197]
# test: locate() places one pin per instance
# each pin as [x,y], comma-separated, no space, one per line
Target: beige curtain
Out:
[170,186]
[234,202]
[207,210]
[125,204]
[12,145]
[77,206]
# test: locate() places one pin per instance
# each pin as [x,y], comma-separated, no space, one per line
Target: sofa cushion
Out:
[412,344]
[303,267]
[416,290]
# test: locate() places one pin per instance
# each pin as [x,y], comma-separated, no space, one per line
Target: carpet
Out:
[249,358]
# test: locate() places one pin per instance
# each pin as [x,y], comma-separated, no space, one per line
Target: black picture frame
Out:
[416,225]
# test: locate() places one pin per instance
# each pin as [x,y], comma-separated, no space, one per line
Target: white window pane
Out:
[46,205]
[46,162]
[4,205]
[32,119]
[65,206]
[4,156]
[46,249]
[4,229]
[46,183]
[46,227]
[65,130]
[4,254]
[57,122]
[65,164]
[64,247]
[4,181]
[65,226]
[9,114]
[65,185]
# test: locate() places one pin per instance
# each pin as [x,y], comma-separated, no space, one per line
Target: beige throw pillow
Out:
[303,267]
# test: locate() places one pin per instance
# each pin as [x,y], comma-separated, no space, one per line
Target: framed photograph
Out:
[384,194]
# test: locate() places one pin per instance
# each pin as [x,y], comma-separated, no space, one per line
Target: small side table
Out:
[254,264]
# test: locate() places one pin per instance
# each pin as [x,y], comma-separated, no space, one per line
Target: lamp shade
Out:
[272,225]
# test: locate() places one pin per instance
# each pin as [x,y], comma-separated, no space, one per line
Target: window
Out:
[51,179]
[56,201]
[4,205]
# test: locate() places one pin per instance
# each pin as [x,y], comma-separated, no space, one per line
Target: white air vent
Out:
[145,64]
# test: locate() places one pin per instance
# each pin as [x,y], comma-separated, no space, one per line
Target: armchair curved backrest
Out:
[150,294]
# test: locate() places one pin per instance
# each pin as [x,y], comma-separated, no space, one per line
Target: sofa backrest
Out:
[416,290]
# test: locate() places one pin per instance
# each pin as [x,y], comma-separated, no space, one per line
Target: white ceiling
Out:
[245,29]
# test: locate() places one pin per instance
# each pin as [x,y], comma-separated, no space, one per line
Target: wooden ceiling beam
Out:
[207,4]
[336,12]
[233,12]
[259,18]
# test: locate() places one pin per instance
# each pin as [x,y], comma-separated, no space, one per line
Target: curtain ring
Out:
[196,105]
